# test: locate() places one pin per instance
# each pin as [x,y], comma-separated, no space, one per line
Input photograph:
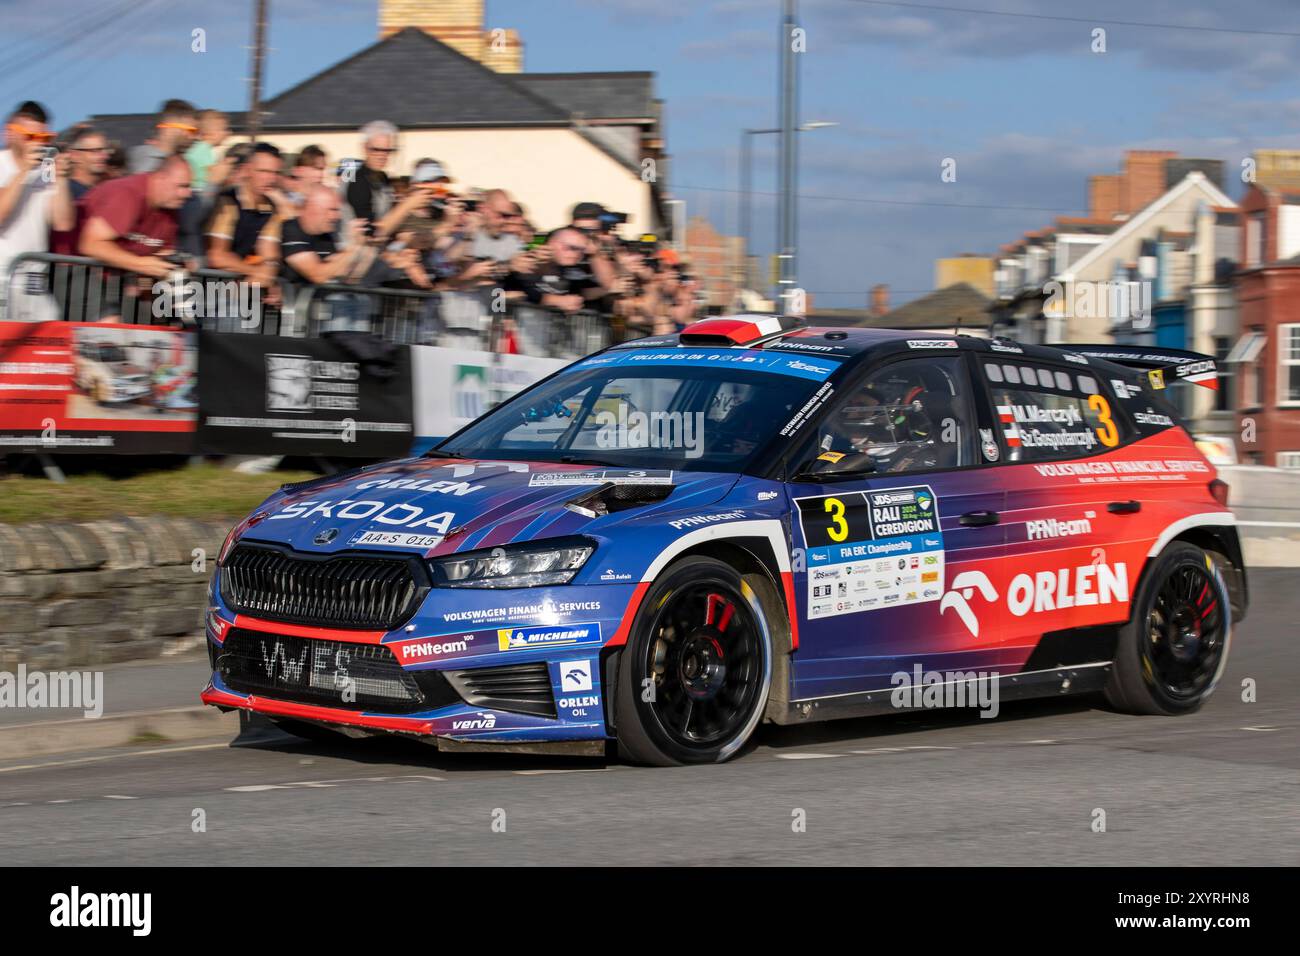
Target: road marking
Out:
[1262,730]
[118,796]
[807,756]
[98,759]
[325,784]
[538,773]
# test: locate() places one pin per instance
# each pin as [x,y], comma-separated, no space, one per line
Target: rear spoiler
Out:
[1183,365]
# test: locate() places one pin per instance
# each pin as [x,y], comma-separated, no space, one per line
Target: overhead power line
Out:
[85,32]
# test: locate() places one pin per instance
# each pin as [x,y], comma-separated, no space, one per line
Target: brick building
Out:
[1266,357]
[718,262]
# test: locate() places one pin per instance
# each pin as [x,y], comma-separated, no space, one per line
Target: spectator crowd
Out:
[189,198]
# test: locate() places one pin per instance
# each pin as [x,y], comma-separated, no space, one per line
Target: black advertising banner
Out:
[268,395]
[102,388]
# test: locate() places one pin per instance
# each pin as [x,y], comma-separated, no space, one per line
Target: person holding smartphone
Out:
[34,195]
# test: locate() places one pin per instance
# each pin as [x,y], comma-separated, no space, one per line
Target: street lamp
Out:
[747,173]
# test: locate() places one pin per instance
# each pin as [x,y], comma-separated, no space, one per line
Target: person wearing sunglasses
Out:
[178,125]
[88,150]
[34,195]
[370,195]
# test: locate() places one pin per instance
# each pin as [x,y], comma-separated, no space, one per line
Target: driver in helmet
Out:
[897,433]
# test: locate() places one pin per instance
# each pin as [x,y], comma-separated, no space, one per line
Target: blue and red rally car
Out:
[670,541]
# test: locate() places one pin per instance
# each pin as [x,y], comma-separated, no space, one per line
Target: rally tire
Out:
[1172,652]
[701,643]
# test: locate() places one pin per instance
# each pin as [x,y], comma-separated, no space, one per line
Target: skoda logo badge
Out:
[326,536]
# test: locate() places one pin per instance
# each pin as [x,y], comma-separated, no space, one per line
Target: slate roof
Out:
[958,305]
[129,129]
[418,82]
[592,96]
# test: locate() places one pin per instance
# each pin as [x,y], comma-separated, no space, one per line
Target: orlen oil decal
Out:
[1065,588]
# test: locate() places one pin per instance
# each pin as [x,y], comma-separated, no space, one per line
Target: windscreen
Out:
[687,409]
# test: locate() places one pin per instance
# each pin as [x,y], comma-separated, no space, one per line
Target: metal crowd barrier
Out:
[45,286]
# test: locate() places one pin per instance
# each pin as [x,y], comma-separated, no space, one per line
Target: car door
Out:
[900,564]
[1066,520]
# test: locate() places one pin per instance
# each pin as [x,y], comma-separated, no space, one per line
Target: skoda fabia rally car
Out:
[670,541]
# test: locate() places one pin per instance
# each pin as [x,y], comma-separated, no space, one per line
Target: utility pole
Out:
[747,180]
[786,228]
[255,82]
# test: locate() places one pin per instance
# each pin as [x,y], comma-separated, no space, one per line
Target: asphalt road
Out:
[1218,787]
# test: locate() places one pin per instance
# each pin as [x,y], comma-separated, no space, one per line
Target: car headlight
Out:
[516,566]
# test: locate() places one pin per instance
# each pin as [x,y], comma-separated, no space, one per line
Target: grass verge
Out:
[196,491]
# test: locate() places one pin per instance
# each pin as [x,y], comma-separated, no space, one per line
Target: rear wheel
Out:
[1175,646]
[694,678]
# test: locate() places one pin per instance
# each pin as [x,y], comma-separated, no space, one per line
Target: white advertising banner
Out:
[455,386]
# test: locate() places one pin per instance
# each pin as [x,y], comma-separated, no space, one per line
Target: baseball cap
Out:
[429,171]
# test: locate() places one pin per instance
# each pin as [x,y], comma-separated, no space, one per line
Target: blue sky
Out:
[1022,104]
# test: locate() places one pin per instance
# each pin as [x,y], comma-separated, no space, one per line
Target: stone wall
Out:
[99,592]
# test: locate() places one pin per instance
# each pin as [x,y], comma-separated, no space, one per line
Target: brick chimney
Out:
[1144,177]
[459,24]
[879,300]
[1104,196]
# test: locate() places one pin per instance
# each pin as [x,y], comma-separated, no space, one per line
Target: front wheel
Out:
[693,679]
[1175,646]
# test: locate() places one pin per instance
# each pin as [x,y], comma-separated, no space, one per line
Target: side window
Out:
[911,415]
[1047,414]
[1151,409]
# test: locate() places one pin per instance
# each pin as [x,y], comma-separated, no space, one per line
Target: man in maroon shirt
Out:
[131,223]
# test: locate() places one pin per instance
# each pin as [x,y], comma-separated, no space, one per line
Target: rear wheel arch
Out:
[1224,545]
[1129,686]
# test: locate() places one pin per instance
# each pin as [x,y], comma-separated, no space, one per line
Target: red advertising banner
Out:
[97,387]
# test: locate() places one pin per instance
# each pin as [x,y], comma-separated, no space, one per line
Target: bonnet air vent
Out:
[611,497]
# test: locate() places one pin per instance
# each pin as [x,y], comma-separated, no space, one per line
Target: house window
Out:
[1290,460]
[1246,355]
[1288,364]
[1254,239]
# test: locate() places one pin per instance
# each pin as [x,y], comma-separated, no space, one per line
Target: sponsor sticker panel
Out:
[415,651]
[872,550]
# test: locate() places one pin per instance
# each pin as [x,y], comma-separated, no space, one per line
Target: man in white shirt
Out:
[34,198]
